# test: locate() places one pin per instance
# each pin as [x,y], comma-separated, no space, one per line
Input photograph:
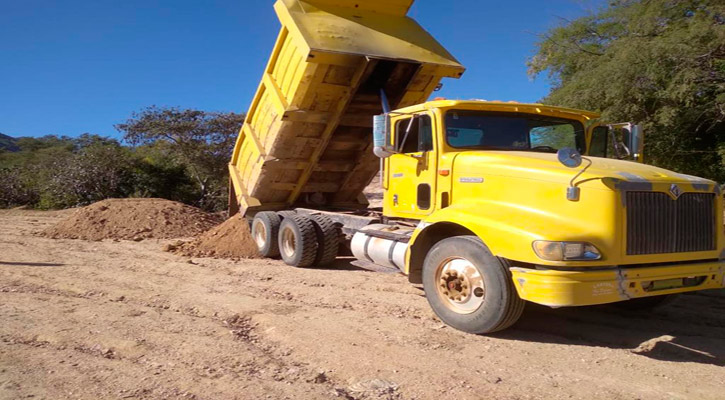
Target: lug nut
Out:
[454,273]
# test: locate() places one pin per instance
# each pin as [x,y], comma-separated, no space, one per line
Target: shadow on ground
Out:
[30,264]
[348,263]
[690,329]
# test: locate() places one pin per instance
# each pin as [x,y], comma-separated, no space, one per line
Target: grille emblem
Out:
[675,191]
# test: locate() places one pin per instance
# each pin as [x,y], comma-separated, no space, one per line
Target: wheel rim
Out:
[260,234]
[460,285]
[287,244]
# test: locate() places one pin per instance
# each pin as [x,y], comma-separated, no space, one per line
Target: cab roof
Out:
[503,106]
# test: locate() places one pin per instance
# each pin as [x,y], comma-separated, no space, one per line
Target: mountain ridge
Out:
[8,143]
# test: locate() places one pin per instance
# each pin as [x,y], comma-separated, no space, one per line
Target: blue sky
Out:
[69,67]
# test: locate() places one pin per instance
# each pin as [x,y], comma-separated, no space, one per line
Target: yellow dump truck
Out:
[487,204]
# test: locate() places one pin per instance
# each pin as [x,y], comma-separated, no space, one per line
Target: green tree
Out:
[58,172]
[15,189]
[98,169]
[660,63]
[159,174]
[202,141]
[24,173]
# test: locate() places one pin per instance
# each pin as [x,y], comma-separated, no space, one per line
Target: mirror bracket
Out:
[571,158]
[572,193]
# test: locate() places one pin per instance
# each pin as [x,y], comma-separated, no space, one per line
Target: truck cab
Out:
[488,179]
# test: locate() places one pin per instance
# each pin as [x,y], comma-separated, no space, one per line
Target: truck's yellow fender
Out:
[507,229]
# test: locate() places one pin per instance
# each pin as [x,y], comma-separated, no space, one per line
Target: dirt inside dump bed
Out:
[232,239]
[134,219]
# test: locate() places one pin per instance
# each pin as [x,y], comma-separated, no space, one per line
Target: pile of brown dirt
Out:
[232,239]
[374,192]
[133,219]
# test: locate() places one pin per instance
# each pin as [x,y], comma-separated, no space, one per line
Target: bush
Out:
[178,155]
[15,190]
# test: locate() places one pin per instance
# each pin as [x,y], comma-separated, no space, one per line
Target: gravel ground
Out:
[124,319]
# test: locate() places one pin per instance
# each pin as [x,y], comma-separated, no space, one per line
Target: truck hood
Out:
[546,167]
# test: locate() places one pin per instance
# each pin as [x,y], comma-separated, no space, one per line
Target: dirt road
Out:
[108,319]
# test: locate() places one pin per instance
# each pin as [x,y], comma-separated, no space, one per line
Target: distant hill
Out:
[8,143]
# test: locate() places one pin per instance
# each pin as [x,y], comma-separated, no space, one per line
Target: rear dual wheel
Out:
[308,241]
[265,229]
[298,241]
[301,241]
[328,240]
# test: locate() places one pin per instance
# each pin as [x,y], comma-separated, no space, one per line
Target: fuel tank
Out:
[381,244]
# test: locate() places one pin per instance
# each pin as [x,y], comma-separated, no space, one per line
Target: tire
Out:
[328,240]
[286,213]
[297,241]
[645,303]
[482,299]
[265,230]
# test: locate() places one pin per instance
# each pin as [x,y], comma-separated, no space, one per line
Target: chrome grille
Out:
[657,224]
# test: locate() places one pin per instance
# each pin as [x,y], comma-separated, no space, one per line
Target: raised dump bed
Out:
[307,137]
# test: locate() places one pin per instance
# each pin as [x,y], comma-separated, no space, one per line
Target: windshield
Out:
[481,130]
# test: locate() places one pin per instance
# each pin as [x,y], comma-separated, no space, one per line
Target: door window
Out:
[414,135]
[598,145]
[609,143]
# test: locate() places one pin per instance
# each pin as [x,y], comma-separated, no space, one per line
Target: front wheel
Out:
[468,287]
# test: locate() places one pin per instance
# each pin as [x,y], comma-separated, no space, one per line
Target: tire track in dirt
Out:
[286,370]
[265,364]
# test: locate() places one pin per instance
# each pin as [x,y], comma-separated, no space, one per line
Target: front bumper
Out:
[556,288]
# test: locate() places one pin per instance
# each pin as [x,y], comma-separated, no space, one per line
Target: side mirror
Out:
[627,140]
[569,157]
[381,136]
[635,142]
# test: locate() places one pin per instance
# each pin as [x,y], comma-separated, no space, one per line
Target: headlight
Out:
[565,251]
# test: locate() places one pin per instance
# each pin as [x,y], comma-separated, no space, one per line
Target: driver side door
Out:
[411,174]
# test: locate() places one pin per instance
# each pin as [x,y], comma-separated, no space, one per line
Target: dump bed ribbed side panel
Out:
[307,137]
